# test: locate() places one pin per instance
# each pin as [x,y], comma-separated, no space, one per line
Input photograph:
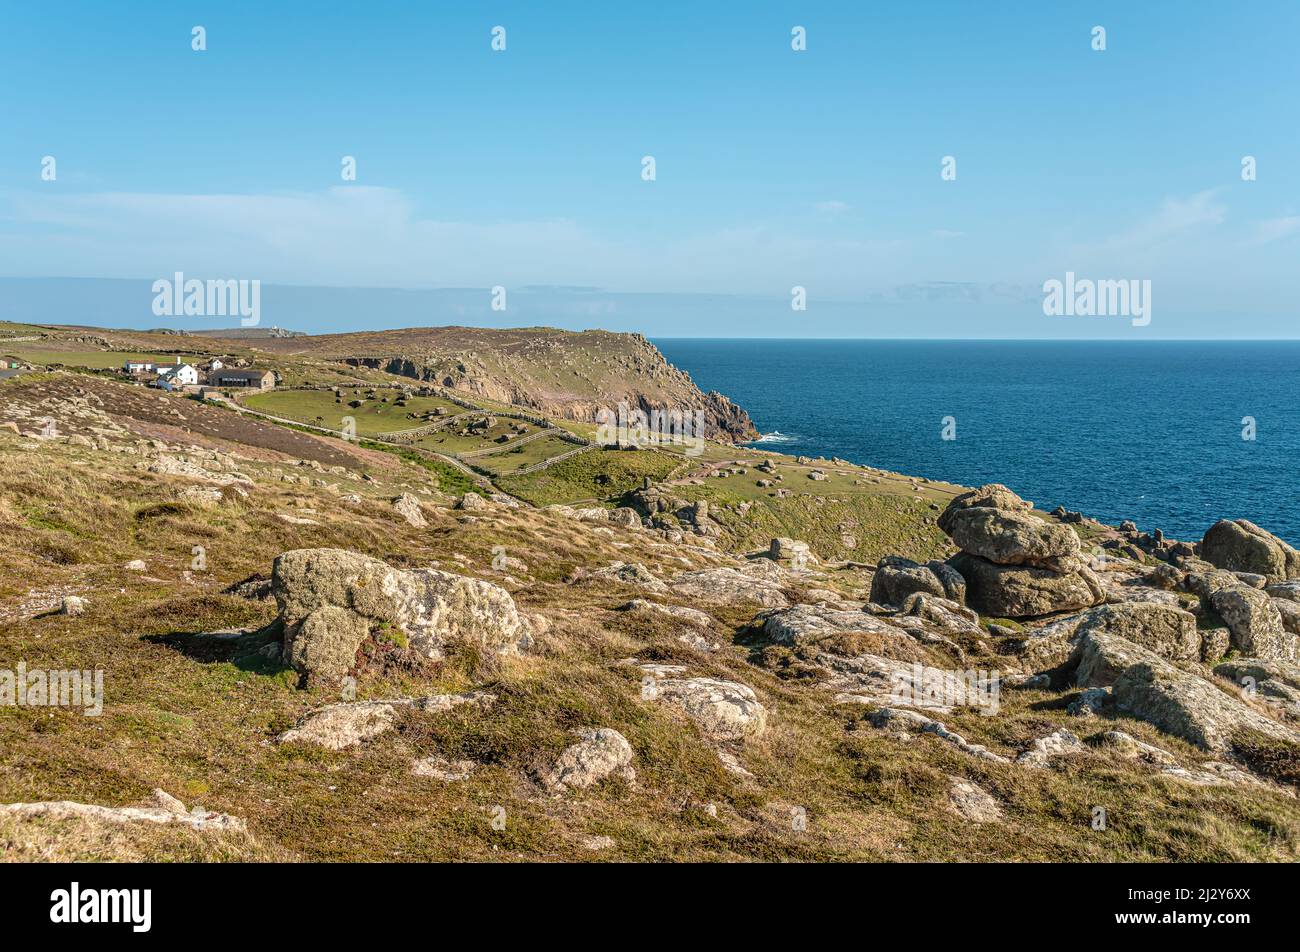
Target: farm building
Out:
[258,379]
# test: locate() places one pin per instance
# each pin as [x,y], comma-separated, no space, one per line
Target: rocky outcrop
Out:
[331,599]
[1190,707]
[1014,538]
[990,495]
[165,809]
[723,710]
[1242,546]
[1178,702]
[729,586]
[1255,623]
[625,573]
[1015,591]
[691,616]
[344,725]
[802,624]
[1014,564]
[1275,682]
[599,754]
[408,507]
[896,577]
[1169,632]
[790,550]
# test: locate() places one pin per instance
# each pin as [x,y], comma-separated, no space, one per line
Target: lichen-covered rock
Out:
[723,710]
[942,614]
[166,809]
[626,573]
[1129,747]
[472,502]
[790,550]
[954,586]
[1013,538]
[601,753]
[692,616]
[1255,624]
[1277,681]
[972,802]
[1290,591]
[896,578]
[324,646]
[1242,546]
[408,507]
[1016,591]
[339,726]
[433,609]
[1099,659]
[1215,643]
[805,623]
[990,496]
[1189,707]
[1059,743]
[1290,613]
[1169,632]
[625,516]
[729,586]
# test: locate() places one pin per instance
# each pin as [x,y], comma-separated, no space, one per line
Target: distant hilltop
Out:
[573,375]
[232,333]
[570,374]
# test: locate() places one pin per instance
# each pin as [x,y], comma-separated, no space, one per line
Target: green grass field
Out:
[512,460]
[374,417]
[450,442]
[597,474]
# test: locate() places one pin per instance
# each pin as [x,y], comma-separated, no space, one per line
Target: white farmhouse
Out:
[176,375]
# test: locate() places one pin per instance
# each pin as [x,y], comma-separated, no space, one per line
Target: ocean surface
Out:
[1148,431]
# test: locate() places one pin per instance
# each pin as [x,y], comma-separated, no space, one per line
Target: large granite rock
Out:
[723,710]
[600,753]
[802,624]
[991,496]
[1018,591]
[1167,631]
[896,577]
[1014,538]
[1255,623]
[1190,707]
[1242,546]
[330,599]
[1178,702]
[728,586]
[1014,564]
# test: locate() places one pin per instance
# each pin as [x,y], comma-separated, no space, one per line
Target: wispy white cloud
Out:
[833,207]
[367,236]
[1275,229]
[1175,218]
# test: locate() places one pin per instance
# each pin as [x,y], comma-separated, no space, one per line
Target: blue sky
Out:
[775,168]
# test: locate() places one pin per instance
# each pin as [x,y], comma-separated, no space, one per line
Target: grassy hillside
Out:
[194,713]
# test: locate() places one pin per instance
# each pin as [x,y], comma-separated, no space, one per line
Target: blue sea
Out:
[1148,431]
